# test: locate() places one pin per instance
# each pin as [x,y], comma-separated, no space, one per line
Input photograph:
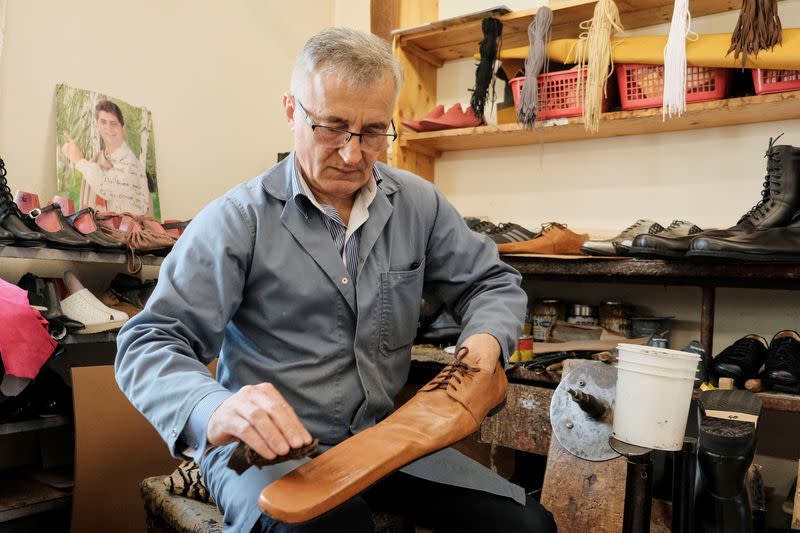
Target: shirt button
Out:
[344,281]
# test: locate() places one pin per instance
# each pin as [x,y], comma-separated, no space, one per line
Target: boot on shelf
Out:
[12,219]
[778,207]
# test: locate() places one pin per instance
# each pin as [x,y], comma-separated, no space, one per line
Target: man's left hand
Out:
[485,349]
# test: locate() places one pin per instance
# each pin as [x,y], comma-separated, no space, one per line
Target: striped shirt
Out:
[346,237]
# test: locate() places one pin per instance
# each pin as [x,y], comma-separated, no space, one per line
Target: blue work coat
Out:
[256,280]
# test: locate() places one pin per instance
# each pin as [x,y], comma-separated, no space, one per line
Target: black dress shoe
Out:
[741,360]
[42,293]
[6,237]
[782,367]
[49,221]
[83,222]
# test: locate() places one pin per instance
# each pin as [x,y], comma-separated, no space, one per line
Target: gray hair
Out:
[355,56]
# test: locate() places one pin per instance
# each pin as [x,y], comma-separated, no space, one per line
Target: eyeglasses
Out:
[336,138]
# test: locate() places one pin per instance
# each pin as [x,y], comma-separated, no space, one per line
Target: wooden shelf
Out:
[459,38]
[728,112]
[35,424]
[53,254]
[659,272]
[26,497]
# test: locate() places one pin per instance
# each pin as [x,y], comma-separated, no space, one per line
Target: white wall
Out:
[212,73]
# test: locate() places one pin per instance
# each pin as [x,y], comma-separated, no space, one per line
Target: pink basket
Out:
[558,94]
[642,86]
[768,81]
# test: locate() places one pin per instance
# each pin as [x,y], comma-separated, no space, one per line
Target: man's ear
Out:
[289,109]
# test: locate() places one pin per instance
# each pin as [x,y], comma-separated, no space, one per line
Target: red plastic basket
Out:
[642,86]
[768,81]
[558,94]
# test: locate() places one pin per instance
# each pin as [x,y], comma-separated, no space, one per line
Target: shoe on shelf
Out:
[82,305]
[415,125]
[782,366]
[555,239]
[455,117]
[510,232]
[483,227]
[679,231]
[43,295]
[49,221]
[772,245]
[67,204]
[84,222]
[11,218]
[741,360]
[608,246]
[175,228]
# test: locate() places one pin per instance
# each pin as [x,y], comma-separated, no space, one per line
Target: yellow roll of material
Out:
[707,51]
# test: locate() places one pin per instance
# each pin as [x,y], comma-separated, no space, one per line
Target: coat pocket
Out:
[401,295]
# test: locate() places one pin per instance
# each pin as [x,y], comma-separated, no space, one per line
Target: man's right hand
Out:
[259,416]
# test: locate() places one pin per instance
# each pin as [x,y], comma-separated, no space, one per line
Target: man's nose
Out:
[351,152]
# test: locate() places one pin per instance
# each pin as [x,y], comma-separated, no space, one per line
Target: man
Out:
[307,282]
[114,179]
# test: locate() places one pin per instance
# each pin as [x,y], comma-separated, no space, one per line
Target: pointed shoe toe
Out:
[449,408]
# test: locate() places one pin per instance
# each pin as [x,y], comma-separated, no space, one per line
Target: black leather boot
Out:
[6,237]
[11,219]
[778,207]
[782,367]
[726,445]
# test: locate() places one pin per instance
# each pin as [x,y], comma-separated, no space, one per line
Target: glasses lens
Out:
[374,143]
[330,137]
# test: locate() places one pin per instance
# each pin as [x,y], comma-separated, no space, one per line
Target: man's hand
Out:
[258,416]
[485,349]
[70,150]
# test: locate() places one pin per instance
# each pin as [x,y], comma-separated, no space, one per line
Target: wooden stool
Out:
[169,513]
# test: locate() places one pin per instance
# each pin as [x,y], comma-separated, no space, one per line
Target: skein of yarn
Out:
[538,36]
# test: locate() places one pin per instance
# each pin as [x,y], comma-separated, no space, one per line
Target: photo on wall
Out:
[105,153]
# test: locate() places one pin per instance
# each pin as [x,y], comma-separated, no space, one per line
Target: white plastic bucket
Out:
[654,390]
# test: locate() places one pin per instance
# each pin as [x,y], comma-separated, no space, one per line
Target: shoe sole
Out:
[743,256]
[100,328]
[783,386]
[651,253]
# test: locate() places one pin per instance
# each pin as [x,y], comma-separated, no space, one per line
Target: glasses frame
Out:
[349,134]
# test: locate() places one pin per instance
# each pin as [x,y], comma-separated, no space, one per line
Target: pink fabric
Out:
[25,343]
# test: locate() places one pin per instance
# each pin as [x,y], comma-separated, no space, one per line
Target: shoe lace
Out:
[547,226]
[741,351]
[500,228]
[454,371]
[7,204]
[771,182]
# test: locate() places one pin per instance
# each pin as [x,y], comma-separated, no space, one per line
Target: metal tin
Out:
[524,351]
[584,315]
[615,315]
[544,314]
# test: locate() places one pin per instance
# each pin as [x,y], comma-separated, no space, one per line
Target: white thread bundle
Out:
[595,49]
[674,100]
[537,56]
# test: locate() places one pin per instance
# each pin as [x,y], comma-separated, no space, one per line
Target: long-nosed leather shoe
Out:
[51,223]
[554,238]
[449,408]
[741,360]
[782,367]
[83,222]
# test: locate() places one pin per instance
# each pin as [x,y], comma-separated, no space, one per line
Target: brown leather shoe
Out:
[554,238]
[449,408]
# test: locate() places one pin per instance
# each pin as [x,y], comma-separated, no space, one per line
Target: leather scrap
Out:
[243,456]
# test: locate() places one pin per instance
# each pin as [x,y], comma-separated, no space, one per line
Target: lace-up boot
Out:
[782,367]
[447,409]
[741,360]
[11,218]
[779,206]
